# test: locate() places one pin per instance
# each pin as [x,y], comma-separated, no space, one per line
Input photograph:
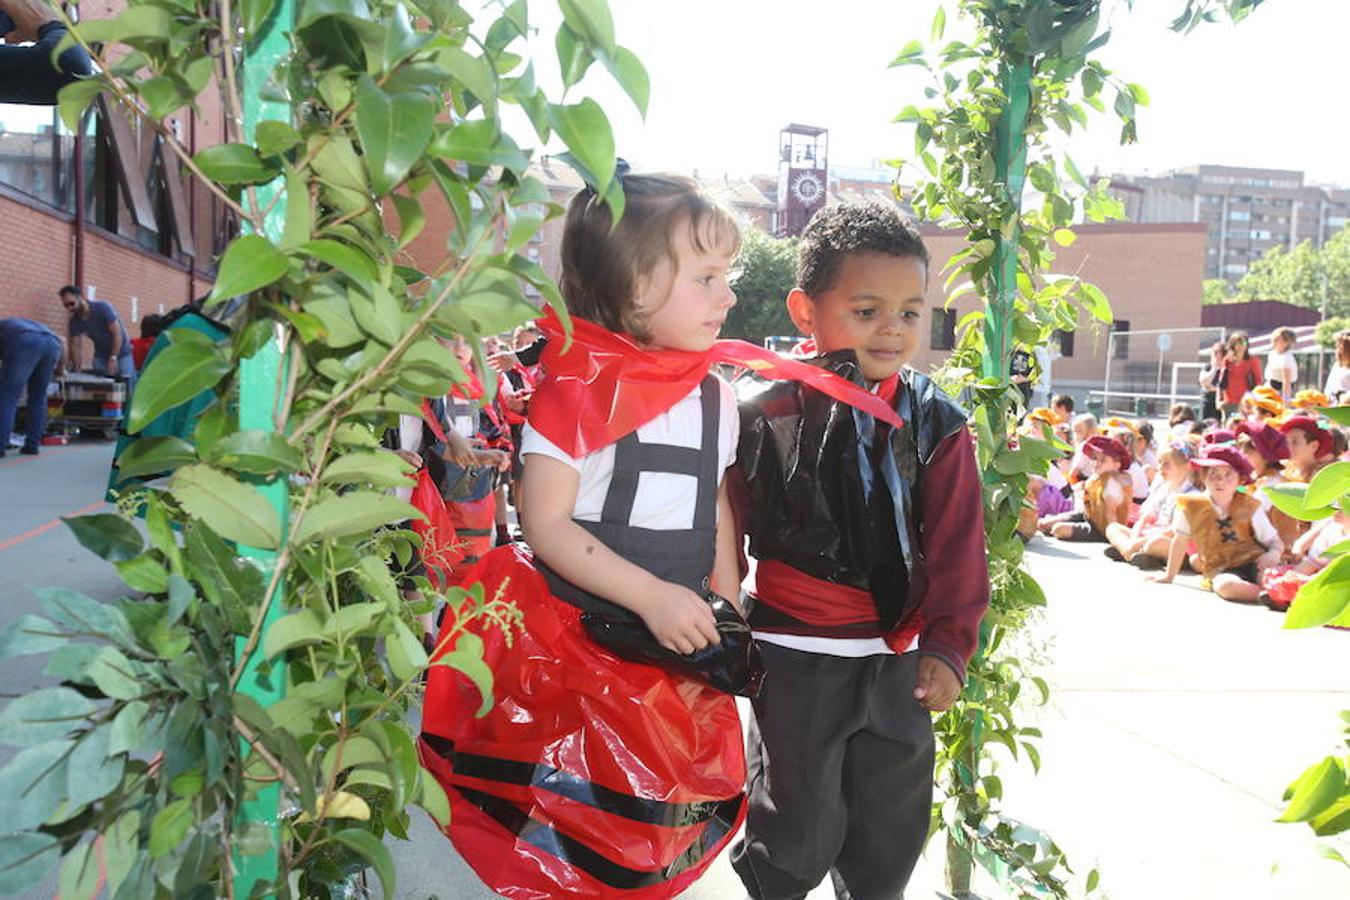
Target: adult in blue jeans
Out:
[29,353]
[98,321]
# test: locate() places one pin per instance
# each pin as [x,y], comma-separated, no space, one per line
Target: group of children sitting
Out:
[1197,498]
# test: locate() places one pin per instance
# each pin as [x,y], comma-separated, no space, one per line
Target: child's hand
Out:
[497,459]
[1159,577]
[679,619]
[409,457]
[936,686]
[458,450]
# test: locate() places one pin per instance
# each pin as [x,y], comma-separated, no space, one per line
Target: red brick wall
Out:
[40,256]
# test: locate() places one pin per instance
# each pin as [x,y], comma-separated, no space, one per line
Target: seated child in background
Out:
[1127,432]
[1062,404]
[1084,427]
[1232,535]
[1146,543]
[1106,495]
[1144,454]
[1281,584]
[1266,448]
[1052,494]
[1181,421]
[1310,400]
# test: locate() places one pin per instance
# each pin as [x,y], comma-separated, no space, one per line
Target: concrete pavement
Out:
[1175,723]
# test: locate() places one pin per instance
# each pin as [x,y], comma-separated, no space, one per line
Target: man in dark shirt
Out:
[26,72]
[29,353]
[97,320]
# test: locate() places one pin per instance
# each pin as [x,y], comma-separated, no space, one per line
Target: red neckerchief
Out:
[604,386]
[473,390]
[888,388]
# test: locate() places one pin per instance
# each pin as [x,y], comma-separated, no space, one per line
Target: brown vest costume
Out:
[1094,501]
[1223,544]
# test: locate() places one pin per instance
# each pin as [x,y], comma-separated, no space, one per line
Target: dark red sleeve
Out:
[956,569]
[738,495]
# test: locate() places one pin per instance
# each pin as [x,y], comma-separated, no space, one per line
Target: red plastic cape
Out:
[437,530]
[605,386]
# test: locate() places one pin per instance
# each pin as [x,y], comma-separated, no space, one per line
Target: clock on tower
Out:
[803,176]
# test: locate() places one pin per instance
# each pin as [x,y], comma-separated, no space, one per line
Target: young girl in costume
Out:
[587,775]
[1106,495]
[1232,535]
[1266,449]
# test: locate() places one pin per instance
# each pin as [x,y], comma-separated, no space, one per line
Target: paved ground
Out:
[1176,722]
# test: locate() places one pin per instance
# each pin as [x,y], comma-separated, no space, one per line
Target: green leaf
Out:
[25,859]
[352,619]
[111,671]
[431,797]
[274,136]
[299,211]
[1324,598]
[107,535]
[911,54]
[939,24]
[1338,414]
[75,98]
[342,257]
[467,658]
[1095,302]
[236,164]
[474,72]
[43,715]
[407,657]
[377,312]
[250,262]
[1291,498]
[128,728]
[395,129]
[1329,485]
[631,75]
[1065,237]
[93,772]
[144,573]
[169,827]
[256,453]
[33,785]
[232,509]
[412,218]
[27,635]
[375,852]
[379,469]
[252,15]
[356,513]
[86,615]
[177,374]
[480,142]
[574,57]
[587,133]
[1316,790]
[303,627]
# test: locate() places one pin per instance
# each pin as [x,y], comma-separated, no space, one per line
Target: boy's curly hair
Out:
[848,228]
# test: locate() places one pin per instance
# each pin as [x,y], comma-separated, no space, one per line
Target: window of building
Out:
[1121,341]
[943,335]
[37,154]
[1065,343]
[1238,215]
[1260,235]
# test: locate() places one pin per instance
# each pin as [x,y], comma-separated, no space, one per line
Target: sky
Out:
[728,74]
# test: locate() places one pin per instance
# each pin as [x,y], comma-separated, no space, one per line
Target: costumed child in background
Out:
[1127,433]
[1052,494]
[1147,542]
[1233,538]
[1079,467]
[1106,495]
[1266,449]
[469,482]
[1281,584]
[1263,403]
[1308,401]
[592,776]
[1310,448]
[871,577]
[1062,405]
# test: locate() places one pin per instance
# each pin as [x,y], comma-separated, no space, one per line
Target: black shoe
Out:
[28,451]
[1113,553]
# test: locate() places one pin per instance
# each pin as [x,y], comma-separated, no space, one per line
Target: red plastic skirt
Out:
[591,776]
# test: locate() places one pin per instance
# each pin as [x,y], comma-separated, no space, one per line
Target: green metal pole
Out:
[260,380]
[1010,170]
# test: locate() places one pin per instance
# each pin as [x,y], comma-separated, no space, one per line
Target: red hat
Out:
[1219,436]
[1268,440]
[1314,431]
[1223,455]
[1100,443]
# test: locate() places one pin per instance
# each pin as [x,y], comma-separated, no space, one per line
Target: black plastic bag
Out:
[733,666]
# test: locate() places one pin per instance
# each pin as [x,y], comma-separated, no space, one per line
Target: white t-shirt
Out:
[1139,480]
[1338,381]
[1265,533]
[665,500]
[1277,363]
[1331,534]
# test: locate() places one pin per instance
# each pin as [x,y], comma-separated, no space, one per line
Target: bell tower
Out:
[803,176]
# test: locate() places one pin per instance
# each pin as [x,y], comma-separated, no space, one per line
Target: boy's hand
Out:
[497,459]
[679,619]
[1159,577]
[936,686]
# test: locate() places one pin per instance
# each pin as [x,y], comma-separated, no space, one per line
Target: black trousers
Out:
[841,776]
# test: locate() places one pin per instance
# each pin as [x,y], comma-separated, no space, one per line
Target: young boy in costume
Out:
[1106,495]
[871,576]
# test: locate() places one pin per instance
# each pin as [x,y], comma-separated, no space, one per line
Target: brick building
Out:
[109,210]
[1247,212]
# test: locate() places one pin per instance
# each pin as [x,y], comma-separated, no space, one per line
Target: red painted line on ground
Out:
[21,459]
[47,526]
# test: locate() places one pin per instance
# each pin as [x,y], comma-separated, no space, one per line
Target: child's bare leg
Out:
[1157,547]
[1231,587]
[1046,524]
[1120,537]
[1062,530]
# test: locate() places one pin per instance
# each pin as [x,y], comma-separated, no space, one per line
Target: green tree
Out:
[1214,291]
[766,271]
[1304,276]
[165,739]
[1327,329]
